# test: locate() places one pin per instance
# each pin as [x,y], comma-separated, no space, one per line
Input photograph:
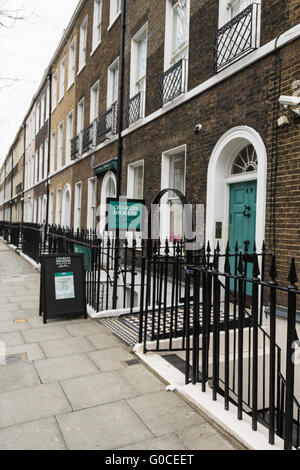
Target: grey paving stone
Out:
[63,347]
[65,367]
[40,335]
[103,341]
[86,328]
[204,437]
[106,387]
[31,404]
[164,412]
[12,339]
[12,325]
[167,442]
[8,308]
[4,316]
[37,435]
[110,359]
[141,379]
[19,375]
[33,351]
[104,427]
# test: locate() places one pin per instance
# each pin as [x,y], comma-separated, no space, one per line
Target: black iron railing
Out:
[233,351]
[236,38]
[75,147]
[134,109]
[107,123]
[172,83]
[88,138]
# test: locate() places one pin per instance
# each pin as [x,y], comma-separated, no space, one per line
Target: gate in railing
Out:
[214,309]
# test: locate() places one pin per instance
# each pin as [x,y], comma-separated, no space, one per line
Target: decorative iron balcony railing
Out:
[107,123]
[172,83]
[19,188]
[236,38]
[88,138]
[75,147]
[134,108]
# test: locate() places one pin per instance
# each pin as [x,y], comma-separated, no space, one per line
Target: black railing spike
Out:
[218,248]
[227,262]
[246,246]
[167,250]
[273,271]
[293,275]
[263,249]
[236,248]
[215,261]
[256,270]
[155,247]
[227,248]
[126,242]
[254,247]
[208,249]
[241,265]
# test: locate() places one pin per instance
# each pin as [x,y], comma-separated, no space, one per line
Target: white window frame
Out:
[36,167]
[114,11]
[110,83]
[58,207]
[46,150]
[43,104]
[41,162]
[80,122]
[77,205]
[171,57]
[60,145]
[138,83]
[82,44]
[94,102]
[92,204]
[51,203]
[54,90]
[131,178]
[97,24]
[62,78]
[69,135]
[165,183]
[53,151]
[71,63]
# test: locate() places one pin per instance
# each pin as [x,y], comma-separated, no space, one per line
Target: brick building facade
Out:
[219,64]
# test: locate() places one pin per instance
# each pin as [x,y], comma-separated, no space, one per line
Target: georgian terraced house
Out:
[199,104]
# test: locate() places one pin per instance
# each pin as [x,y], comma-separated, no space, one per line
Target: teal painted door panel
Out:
[242,219]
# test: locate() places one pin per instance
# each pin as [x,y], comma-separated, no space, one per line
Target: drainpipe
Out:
[120,142]
[49,80]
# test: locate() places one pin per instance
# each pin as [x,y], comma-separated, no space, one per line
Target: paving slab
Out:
[12,325]
[37,435]
[85,328]
[171,414]
[63,347]
[33,351]
[66,367]
[111,359]
[104,427]
[204,437]
[40,335]
[141,379]
[167,442]
[103,341]
[19,375]
[12,339]
[105,387]
[4,316]
[31,404]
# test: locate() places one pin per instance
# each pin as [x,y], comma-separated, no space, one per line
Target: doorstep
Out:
[214,410]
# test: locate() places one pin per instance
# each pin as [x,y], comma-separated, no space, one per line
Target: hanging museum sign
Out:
[62,286]
[125,214]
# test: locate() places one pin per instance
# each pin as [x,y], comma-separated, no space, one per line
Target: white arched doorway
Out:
[66,207]
[239,157]
[108,189]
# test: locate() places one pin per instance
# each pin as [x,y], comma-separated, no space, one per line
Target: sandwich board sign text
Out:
[62,286]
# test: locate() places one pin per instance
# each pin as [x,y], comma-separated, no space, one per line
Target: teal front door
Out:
[242,220]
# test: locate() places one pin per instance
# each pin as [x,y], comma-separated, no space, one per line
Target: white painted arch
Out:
[108,189]
[219,180]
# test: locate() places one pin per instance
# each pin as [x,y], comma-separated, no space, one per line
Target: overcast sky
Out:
[25,51]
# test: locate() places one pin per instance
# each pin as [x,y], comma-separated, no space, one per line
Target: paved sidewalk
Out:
[76,386]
